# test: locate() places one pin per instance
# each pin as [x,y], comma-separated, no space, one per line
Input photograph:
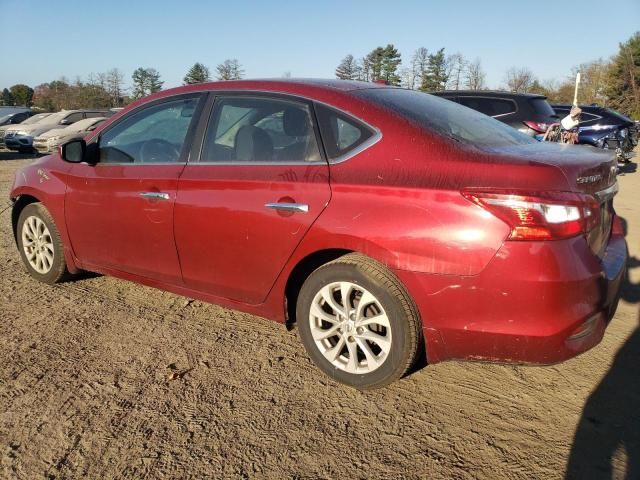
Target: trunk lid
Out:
[587,170]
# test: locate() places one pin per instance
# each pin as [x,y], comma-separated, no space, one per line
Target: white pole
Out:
[575,94]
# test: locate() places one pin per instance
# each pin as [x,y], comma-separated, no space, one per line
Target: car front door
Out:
[119,212]
[257,186]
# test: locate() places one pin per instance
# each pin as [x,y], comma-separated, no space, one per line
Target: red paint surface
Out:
[480,296]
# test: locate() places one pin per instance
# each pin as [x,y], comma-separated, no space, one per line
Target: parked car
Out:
[28,122]
[383,222]
[526,112]
[49,141]
[21,138]
[15,117]
[604,128]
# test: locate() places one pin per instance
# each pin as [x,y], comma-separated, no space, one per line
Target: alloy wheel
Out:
[350,327]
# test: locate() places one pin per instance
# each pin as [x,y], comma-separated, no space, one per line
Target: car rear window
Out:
[489,106]
[542,106]
[619,115]
[446,118]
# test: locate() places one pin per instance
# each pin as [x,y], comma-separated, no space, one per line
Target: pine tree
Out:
[230,70]
[347,69]
[391,60]
[154,84]
[197,74]
[435,78]
[374,63]
[145,81]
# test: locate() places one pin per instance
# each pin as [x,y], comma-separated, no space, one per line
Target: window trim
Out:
[369,142]
[217,95]
[199,135]
[186,150]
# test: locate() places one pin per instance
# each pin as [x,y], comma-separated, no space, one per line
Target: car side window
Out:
[588,117]
[261,130]
[340,133]
[155,134]
[95,114]
[73,118]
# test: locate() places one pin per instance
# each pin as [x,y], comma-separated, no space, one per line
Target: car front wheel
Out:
[40,245]
[358,323]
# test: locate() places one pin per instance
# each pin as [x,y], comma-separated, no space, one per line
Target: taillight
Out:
[540,127]
[540,216]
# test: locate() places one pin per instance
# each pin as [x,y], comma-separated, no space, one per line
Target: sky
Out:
[43,40]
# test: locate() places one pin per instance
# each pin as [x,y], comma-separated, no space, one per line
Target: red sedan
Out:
[385,223]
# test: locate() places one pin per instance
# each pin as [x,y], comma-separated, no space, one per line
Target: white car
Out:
[20,137]
[29,121]
[49,141]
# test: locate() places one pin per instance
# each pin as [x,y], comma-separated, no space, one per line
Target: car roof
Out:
[293,85]
[488,93]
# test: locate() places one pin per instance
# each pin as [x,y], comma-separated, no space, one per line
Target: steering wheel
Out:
[157,150]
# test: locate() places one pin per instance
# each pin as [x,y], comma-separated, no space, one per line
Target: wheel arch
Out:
[299,274]
[20,203]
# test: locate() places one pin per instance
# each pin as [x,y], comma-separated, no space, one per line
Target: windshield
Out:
[446,118]
[82,125]
[35,119]
[56,117]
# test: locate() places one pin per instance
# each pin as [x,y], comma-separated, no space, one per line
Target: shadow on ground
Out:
[610,423]
[8,155]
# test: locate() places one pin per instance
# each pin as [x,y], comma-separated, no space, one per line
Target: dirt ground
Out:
[102,378]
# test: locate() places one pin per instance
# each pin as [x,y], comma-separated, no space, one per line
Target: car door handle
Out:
[288,207]
[155,195]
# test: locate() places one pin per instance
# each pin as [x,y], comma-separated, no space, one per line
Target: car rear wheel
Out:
[40,245]
[358,323]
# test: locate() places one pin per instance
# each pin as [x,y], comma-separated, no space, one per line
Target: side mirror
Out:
[65,122]
[74,151]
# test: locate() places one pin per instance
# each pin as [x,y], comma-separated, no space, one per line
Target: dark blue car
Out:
[604,128]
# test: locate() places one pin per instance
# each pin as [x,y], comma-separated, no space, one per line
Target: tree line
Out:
[614,82]
[426,71]
[106,90]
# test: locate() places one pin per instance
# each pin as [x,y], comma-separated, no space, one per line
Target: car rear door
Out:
[249,195]
[119,212]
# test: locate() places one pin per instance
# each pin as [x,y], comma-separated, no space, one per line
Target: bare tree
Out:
[419,64]
[365,69]
[519,80]
[113,83]
[474,77]
[230,69]
[456,65]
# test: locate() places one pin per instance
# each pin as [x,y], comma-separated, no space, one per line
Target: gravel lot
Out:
[102,378]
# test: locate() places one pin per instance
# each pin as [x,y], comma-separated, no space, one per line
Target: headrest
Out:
[253,144]
[295,122]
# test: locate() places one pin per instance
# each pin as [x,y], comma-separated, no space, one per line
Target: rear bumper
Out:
[535,303]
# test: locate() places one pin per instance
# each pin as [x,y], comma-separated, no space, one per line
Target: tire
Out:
[47,263]
[385,334]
